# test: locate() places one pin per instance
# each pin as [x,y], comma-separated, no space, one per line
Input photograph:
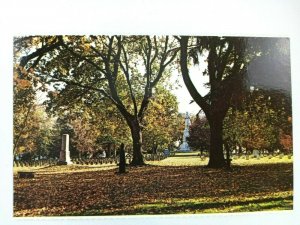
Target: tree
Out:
[199,134]
[97,125]
[94,66]
[231,63]
[86,133]
[258,122]
[251,129]
[32,131]
[32,126]
[24,104]
[161,122]
[225,67]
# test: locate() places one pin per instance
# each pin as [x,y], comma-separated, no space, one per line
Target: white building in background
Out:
[184,147]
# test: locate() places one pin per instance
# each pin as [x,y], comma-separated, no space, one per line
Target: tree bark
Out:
[214,111]
[136,134]
[216,156]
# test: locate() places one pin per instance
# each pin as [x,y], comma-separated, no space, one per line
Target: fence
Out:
[97,161]
[35,163]
[84,161]
[155,157]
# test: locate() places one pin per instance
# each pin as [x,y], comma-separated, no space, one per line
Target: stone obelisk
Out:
[64,155]
[184,147]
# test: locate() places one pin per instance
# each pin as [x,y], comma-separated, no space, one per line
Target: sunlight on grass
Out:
[266,202]
[192,159]
[180,161]
[271,201]
[263,160]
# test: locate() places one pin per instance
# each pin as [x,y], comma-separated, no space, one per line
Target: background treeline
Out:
[262,121]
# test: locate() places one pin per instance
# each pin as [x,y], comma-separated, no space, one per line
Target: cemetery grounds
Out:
[176,185]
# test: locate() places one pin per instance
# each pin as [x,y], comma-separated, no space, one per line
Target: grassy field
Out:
[175,185]
[193,159]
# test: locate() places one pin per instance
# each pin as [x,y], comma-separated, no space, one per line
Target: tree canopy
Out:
[229,60]
[123,69]
[114,89]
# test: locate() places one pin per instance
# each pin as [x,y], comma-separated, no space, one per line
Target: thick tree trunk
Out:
[136,135]
[216,156]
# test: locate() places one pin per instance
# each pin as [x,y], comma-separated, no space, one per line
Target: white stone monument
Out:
[64,155]
[184,147]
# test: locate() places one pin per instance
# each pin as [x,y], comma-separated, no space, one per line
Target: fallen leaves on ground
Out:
[104,192]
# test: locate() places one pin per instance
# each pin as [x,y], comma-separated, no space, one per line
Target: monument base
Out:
[184,147]
[64,163]
[183,151]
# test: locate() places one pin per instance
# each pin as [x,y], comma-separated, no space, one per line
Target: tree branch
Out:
[90,87]
[41,51]
[186,77]
[224,61]
[126,72]
[82,57]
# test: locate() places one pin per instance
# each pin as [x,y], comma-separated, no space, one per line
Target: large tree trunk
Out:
[136,134]
[216,156]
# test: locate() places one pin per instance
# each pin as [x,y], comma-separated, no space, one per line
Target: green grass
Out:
[193,159]
[268,202]
[187,153]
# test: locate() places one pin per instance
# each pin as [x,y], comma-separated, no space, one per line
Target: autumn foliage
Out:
[71,190]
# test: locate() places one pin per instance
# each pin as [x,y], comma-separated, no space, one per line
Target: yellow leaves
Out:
[86,47]
[22,148]
[63,71]
[36,41]
[25,135]
[85,44]
[156,105]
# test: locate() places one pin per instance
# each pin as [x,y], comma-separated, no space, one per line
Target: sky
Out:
[183,96]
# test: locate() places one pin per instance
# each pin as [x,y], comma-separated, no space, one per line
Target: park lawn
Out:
[193,159]
[155,189]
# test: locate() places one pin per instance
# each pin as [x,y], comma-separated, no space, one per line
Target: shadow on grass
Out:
[192,207]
